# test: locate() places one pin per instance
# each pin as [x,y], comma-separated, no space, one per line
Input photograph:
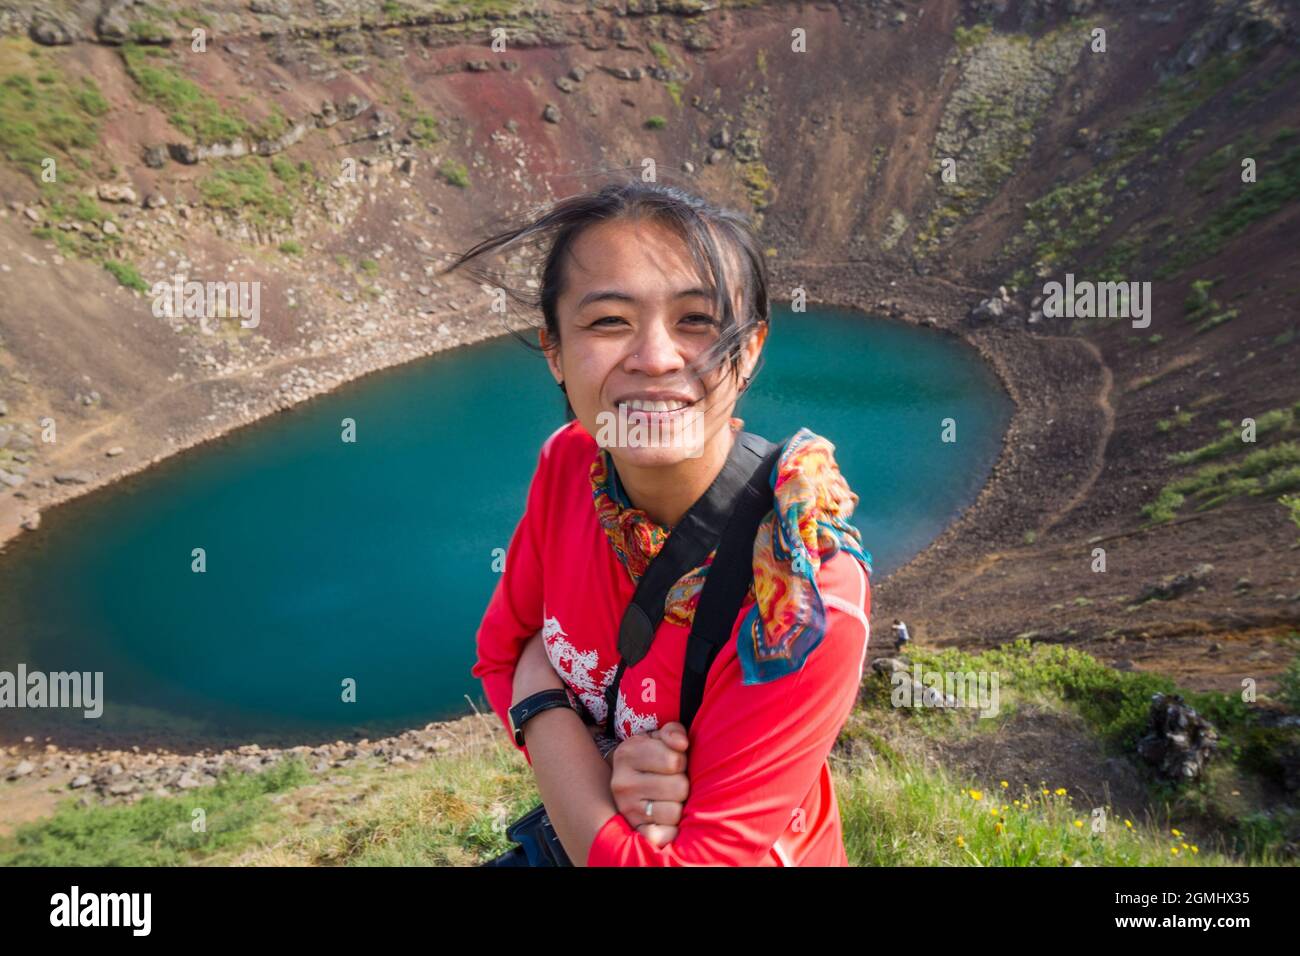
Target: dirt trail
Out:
[1099,449]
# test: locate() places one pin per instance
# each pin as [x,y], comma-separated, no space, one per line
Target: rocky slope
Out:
[936,161]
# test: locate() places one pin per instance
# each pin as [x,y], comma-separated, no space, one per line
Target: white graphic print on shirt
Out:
[581,670]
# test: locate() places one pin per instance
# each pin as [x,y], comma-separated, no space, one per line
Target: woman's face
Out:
[632,317]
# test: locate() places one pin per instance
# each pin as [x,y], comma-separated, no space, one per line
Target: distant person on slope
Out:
[901,637]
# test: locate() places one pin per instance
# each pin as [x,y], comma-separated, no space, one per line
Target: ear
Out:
[753,347]
[552,355]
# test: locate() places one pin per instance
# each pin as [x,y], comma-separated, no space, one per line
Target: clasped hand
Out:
[646,767]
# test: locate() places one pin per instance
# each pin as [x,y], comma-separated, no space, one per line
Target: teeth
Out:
[638,405]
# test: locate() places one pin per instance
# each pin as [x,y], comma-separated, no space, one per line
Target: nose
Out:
[654,351]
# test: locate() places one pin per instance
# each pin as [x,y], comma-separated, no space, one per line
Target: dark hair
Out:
[699,223]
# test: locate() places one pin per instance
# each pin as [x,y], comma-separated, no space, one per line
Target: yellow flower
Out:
[1194,849]
[993,810]
[960,841]
[1185,846]
[1047,793]
[1004,784]
[1129,824]
[1176,833]
[977,795]
[1060,791]
[1078,823]
[1173,850]
[1015,802]
[997,828]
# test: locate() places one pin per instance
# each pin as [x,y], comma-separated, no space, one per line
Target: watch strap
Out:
[534,704]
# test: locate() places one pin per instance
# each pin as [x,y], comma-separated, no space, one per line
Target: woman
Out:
[656,311]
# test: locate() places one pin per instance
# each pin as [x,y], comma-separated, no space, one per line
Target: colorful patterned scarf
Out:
[807,526]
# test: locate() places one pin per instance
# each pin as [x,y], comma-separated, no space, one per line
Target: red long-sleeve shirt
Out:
[760,786]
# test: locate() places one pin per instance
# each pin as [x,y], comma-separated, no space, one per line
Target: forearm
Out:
[572,778]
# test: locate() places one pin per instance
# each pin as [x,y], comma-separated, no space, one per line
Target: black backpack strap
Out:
[688,544]
[728,579]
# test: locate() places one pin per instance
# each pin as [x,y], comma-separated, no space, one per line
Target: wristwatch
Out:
[534,704]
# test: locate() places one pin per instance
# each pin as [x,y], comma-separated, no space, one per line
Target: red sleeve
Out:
[514,614]
[757,750]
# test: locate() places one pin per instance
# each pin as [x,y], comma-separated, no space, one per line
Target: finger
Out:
[658,786]
[664,812]
[667,795]
[674,735]
[631,804]
[651,756]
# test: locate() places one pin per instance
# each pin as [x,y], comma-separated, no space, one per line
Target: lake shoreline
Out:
[936,304]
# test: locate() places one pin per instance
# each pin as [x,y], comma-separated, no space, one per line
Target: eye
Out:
[699,318]
[606,318]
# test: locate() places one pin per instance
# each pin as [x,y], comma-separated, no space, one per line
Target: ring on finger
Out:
[649,809]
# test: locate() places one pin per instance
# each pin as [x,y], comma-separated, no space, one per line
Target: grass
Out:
[1290,679]
[292,174]
[1292,505]
[914,816]
[125,273]
[882,810]
[1278,185]
[188,108]
[1072,216]
[44,114]
[656,122]
[1180,420]
[156,831]
[1113,704]
[1199,305]
[896,808]
[1207,174]
[455,173]
[244,188]
[424,130]
[758,183]
[967,38]
[1273,470]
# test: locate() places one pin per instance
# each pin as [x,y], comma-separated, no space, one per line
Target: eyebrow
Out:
[617,295]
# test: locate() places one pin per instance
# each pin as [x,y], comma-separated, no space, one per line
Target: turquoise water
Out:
[373,561]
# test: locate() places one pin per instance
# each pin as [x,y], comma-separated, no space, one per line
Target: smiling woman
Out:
[695,608]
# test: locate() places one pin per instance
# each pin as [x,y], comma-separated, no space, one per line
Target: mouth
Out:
[660,409]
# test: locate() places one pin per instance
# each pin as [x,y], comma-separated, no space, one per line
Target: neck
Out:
[666,493]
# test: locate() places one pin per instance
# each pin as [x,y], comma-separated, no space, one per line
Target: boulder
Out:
[183,153]
[989,310]
[1179,742]
[1175,585]
[47,30]
[635,74]
[73,477]
[112,26]
[271,8]
[353,107]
